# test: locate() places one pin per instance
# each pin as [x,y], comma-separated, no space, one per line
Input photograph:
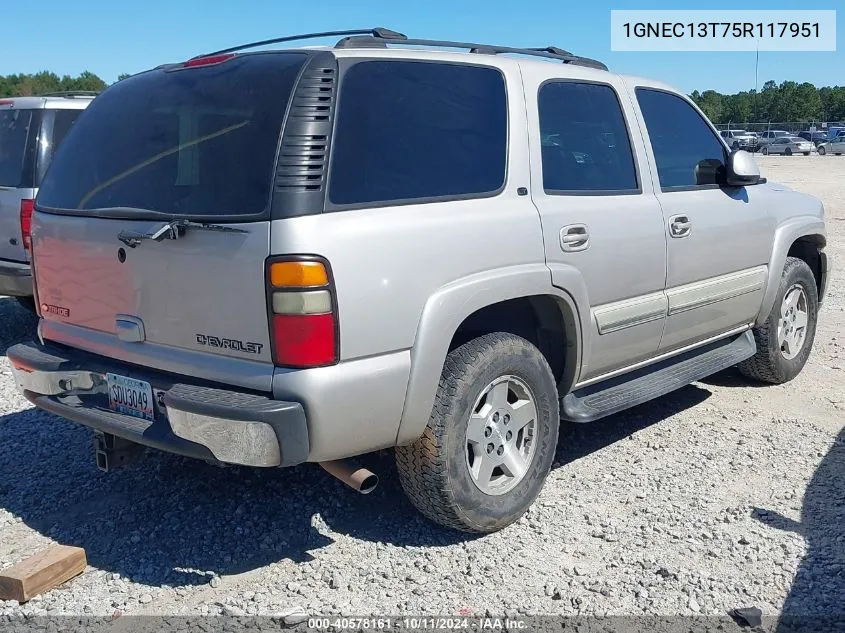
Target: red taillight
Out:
[207,61]
[305,340]
[26,223]
[303,313]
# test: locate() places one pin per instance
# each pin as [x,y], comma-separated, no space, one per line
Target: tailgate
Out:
[193,146]
[203,292]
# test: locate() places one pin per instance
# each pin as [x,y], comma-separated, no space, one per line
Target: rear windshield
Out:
[17,142]
[192,142]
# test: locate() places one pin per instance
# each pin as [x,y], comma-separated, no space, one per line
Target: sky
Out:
[110,37]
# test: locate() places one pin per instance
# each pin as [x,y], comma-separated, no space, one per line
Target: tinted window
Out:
[191,142]
[61,124]
[411,130]
[585,144]
[687,151]
[18,130]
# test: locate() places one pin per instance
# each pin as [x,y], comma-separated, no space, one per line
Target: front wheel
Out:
[491,438]
[765,151]
[787,151]
[785,339]
[806,153]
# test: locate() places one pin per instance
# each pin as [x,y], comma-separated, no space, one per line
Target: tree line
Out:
[787,101]
[26,85]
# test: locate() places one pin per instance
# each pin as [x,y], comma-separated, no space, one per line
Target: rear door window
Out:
[18,135]
[192,142]
[584,140]
[411,131]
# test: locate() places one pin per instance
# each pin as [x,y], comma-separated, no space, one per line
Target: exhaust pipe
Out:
[357,478]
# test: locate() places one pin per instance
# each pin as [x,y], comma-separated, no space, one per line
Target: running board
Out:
[628,390]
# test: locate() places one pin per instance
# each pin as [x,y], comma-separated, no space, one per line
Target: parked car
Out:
[739,139]
[30,130]
[836,145]
[788,145]
[816,138]
[770,135]
[273,258]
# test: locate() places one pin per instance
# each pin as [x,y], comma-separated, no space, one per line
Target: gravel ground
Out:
[721,495]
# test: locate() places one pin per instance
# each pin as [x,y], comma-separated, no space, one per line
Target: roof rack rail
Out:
[549,52]
[71,93]
[381,33]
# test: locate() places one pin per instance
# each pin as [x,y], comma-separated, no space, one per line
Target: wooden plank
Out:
[41,572]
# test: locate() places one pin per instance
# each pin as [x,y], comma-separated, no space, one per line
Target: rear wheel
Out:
[806,153]
[784,341]
[787,151]
[821,150]
[764,151]
[491,438]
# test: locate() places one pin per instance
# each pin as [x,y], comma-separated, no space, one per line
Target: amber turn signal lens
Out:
[298,274]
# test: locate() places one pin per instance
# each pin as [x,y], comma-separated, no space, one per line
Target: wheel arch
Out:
[468,306]
[802,237]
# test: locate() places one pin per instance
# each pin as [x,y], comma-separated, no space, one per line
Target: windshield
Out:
[193,142]
[17,140]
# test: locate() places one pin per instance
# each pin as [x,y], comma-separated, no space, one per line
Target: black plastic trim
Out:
[378,32]
[156,435]
[638,386]
[548,52]
[300,182]
[15,279]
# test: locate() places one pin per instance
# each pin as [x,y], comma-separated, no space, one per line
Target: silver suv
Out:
[30,130]
[306,255]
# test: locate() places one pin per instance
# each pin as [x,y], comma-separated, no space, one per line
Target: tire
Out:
[764,151]
[771,364]
[436,470]
[806,153]
[27,303]
[821,150]
[787,152]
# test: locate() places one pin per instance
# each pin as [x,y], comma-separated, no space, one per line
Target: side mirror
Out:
[742,169]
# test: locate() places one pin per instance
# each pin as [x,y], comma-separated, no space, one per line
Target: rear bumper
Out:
[196,420]
[15,279]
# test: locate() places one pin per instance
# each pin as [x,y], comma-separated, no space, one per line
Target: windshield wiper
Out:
[173,230]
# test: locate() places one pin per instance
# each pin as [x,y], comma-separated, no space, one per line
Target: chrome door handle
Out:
[679,226]
[574,238]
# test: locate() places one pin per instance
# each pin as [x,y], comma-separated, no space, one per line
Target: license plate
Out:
[130,396]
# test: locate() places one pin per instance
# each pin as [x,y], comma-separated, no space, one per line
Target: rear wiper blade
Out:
[173,230]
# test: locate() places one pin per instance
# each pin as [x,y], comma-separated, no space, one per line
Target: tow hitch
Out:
[111,452]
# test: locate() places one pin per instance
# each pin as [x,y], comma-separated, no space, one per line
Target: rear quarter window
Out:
[18,135]
[192,142]
[411,131]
